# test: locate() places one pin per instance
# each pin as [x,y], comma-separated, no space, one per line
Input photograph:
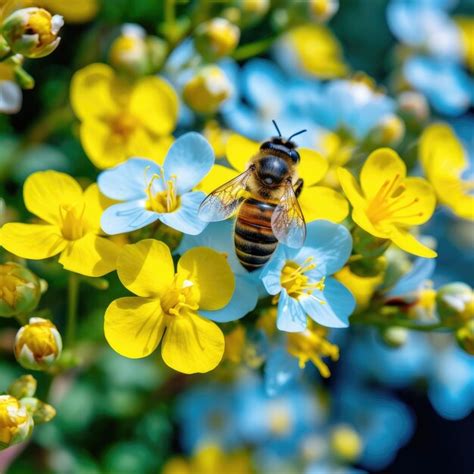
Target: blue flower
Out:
[218,236]
[301,279]
[152,192]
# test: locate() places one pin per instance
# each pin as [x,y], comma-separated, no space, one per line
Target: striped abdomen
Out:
[253,237]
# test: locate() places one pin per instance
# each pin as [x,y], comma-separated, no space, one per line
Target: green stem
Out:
[170,17]
[253,49]
[404,323]
[7,56]
[73,298]
[22,319]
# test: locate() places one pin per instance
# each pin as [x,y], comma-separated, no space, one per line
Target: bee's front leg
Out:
[298,187]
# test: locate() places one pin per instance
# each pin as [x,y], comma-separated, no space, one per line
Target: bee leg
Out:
[298,187]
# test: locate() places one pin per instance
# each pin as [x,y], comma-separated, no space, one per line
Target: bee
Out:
[265,199]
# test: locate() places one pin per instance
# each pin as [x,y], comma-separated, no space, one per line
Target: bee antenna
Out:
[277,129]
[297,133]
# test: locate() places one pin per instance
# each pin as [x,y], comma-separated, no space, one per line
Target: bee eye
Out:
[295,156]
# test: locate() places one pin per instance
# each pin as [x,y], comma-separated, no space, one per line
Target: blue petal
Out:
[331,307]
[421,270]
[271,273]
[126,217]
[280,370]
[185,218]
[329,244]
[190,158]
[242,302]
[291,316]
[127,181]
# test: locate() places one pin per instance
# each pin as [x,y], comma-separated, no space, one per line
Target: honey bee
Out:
[265,198]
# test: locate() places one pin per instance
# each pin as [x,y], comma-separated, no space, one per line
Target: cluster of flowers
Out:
[375,168]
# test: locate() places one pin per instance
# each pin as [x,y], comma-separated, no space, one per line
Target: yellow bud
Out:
[389,131]
[455,303]
[32,32]
[216,38]
[20,290]
[207,90]
[465,337]
[395,336]
[16,424]
[128,51]
[323,10]
[25,386]
[345,443]
[38,344]
[414,105]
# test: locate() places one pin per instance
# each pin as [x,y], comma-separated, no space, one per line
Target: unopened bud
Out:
[16,424]
[38,344]
[216,38]
[207,90]
[323,10]
[41,412]
[389,131]
[465,337]
[345,443]
[25,386]
[128,51]
[394,336]
[455,303]
[32,32]
[20,290]
[413,104]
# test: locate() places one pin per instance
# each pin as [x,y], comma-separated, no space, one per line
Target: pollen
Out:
[72,217]
[164,201]
[182,297]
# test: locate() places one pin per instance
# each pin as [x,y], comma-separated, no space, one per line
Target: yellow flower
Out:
[316,51]
[317,202]
[466,28]
[387,202]
[120,120]
[169,303]
[444,161]
[16,424]
[70,227]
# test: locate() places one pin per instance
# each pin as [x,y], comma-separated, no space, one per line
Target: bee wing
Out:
[288,223]
[224,200]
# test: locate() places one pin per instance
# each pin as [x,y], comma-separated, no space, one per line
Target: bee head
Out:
[283,146]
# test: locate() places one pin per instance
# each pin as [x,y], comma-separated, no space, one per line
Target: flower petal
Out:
[281,369]
[291,316]
[133,326]
[156,103]
[312,166]
[126,217]
[271,272]
[403,239]
[185,218]
[146,268]
[351,188]
[45,191]
[95,203]
[129,180]
[91,256]
[212,273]
[192,344]
[239,150]
[33,241]
[242,302]
[360,217]
[331,307]
[382,165]
[320,202]
[189,159]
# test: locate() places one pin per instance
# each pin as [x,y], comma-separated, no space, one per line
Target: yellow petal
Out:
[95,204]
[218,176]
[464,207]
[146,268]
[91,256]
[419,192]
[351,188]
[213,275]
[45,191]
[155,102]
[403,239]
[144,144]
[382,165]
[133,326]
[239,150]
[359,216]
[192,344]
[32,241]
[91,92]
[312,167]
[319,202]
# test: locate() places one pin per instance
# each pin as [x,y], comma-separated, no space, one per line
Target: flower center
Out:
[312,345]
[163,201]
[72,220]
[182,297]
[391,202]
[123,125]
[296,283]
[39,23]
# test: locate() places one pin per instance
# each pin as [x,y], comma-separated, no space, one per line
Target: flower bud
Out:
[128,52]
[413,104]
[207,90]
[465,337]
[323,10]
[16,424]
[20,290]
[32,32]
[38,344]
[455,303]
[25,386]
[345,443]
[41,412]
[389,131]
[394,336]
[216,38]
